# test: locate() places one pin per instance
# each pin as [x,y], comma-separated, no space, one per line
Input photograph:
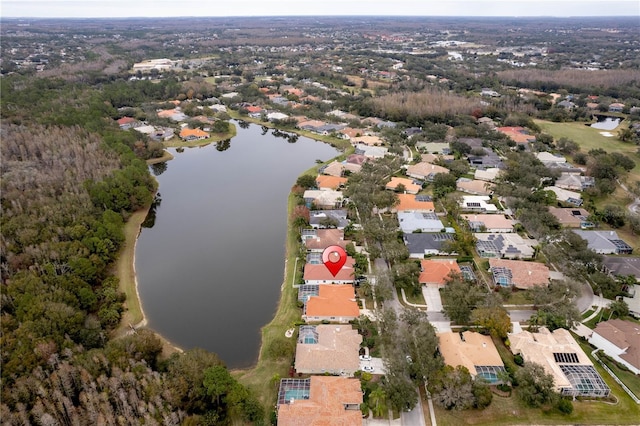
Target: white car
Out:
[365,357]
[368,368]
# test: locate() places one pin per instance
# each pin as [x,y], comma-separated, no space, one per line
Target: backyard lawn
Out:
[589,138]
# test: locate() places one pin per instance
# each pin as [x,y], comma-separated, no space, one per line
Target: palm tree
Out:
[377,402]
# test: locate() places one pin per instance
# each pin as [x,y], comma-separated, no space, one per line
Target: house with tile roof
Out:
[620,340]
[367,140]
[173,114]
[519,135]
[330,348]
[475,187]
[434,147]
[351,133]
[126,123]
[489,175]
[519,273]
[418,221]
[356,159]
[334,303]
[316,240]
[562,357]
[320,401]
[319,274]
[425,171]
[410,185]
[435,158]
[325,199]
[571,217]
[330,182]
[414,203]
[193,134]
[493,223]
[336,168]
[505,245]
[320,219]
[474,351]
[566,196]
[604,242]
[575,182]
[437,271]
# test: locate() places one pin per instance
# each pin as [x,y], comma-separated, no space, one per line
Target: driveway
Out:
[431,295]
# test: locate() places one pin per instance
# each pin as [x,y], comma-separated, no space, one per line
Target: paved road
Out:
[380,266]
[521,315]
[415,417]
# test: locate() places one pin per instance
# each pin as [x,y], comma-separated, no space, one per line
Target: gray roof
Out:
[623,265]
[316,217]
[488,161]
[604,241]
[419,243]
[411,221]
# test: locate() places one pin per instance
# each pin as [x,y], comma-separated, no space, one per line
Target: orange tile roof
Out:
[331,182]
[408,203]
[253,108]
[321,273]
[517,134]
[326,404]
[523,274]
[197,133]
[333,300]
[410,187]
[166,113]
[126,120]
[436,271]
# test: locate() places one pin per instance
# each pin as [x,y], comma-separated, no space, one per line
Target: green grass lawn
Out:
[631,380]
[518,297]
[417,299]
[589,138]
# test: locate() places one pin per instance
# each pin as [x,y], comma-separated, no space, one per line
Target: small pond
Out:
[606,123]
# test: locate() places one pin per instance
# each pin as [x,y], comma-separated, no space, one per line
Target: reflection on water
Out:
[210,269]
[606,123]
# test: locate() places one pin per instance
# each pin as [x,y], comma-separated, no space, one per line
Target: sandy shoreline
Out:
[133,316]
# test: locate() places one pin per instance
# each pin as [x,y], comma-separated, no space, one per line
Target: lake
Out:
[211,266]
[606,123]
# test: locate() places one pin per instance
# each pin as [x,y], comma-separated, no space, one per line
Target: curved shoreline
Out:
[133,317]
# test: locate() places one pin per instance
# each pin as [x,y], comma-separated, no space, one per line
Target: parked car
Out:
[365,357]
[368,368]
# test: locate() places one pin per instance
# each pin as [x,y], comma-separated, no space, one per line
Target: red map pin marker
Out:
[334,258]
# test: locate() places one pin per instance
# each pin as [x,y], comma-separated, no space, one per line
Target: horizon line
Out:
[319,16]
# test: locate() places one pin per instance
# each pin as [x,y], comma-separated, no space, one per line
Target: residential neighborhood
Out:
[482,194]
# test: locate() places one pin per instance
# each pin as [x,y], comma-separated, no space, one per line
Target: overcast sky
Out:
[175,8]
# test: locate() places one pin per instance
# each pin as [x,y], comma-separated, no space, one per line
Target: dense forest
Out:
[69,183]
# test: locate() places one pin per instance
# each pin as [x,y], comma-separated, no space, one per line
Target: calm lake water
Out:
[606,123]
[210,268]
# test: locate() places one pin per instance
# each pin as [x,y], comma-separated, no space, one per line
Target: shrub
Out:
[517,358]
[564,406]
